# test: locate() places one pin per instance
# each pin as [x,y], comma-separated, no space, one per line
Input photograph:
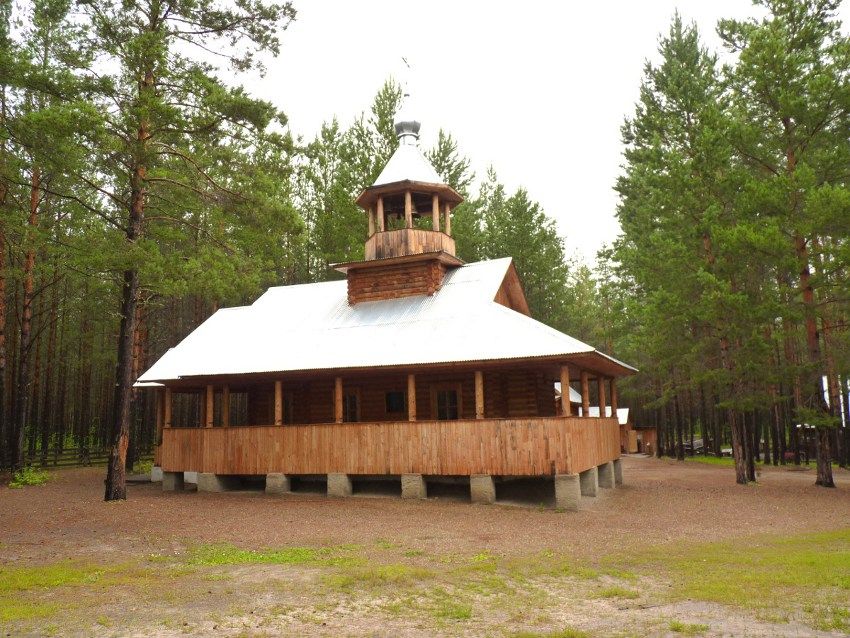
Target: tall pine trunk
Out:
[22,392]
[116,476]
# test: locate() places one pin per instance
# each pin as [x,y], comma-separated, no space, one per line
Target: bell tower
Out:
[409,245]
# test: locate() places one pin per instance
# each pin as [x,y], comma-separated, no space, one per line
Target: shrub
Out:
[29,476]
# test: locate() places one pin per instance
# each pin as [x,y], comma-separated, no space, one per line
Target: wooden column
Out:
[225,406]
[615,403]
[585,393]
[209,411]
[408,209]
[411,397]
[338,400]
[380,214]
[166,409]
[447,222]
[479,394]
[600,383]
[435,212]
[160,407]
[278,402]
[371,222]
[566,407]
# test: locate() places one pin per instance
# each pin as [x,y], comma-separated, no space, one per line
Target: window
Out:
[351,407]
[396,402]
[447,405]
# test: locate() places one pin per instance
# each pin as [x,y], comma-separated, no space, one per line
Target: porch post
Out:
[371,221]
[338,400]
[614,399]
[166,408]
[566,407]
[278,403]
[381,214]
[225,406]
[479,393]
[411,397]
[600,383]
[585,394]
[435,212]
[160,404]
[408,209]
[209,411]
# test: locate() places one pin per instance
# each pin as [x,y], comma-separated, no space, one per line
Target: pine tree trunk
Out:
[116,476]
[738,448]
[22,391]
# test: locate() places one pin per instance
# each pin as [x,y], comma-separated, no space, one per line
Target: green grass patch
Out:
[227,554]
[799,573]
[378,575]
[687,629]
[452,610]
[618,592]
[18,579]
[29,476]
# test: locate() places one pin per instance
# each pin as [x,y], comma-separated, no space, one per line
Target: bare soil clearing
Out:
[394,567]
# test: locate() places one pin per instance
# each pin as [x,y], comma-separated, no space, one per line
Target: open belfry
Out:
[416,369]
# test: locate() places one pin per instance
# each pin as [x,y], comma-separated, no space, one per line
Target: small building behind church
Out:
[416,368]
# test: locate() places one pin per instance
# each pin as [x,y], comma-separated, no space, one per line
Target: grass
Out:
[687,629]
[207,555]
[563,633]
[807,573]
[618,592]
[29,476]
[377,575]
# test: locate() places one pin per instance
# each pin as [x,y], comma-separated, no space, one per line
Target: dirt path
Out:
[661,501]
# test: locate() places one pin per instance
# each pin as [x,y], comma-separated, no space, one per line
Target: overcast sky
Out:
[537,89]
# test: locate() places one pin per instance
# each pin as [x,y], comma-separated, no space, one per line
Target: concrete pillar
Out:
[209,482]
[567,492]
[589,480]
[618,472]
[482,488]
[413,486]
[156,474]
[190,477]
[606,475]
[172,481]
[339,485]
[278,484]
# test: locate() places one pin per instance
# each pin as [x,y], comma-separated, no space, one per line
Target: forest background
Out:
[141,189]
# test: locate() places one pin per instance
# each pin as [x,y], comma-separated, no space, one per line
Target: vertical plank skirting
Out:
[535,446]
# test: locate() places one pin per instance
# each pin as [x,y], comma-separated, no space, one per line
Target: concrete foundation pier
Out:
[209,482]
[482,488]
[618,472]
[589,480]
[567,492]
[156,474]
[606,475]
[278,484]
[172,481]
[413,486]
[339,485]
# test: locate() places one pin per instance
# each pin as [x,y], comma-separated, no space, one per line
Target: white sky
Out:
[537,89]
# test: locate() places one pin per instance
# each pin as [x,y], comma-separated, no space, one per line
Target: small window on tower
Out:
[395,402]
[447,403]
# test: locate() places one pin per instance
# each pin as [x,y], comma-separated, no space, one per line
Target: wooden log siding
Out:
[502,447]
[407,241]
[403,280]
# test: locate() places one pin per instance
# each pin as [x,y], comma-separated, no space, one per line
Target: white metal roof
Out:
[622,413]
[575,395]
[313,327]
[408,163]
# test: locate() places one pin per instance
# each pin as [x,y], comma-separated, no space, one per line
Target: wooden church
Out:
[416,368]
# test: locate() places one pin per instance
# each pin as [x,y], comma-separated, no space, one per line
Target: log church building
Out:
[415,369]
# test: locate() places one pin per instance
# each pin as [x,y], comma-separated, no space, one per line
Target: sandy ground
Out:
[661,501]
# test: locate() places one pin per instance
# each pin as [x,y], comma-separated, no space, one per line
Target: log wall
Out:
[502,447]
[393,281]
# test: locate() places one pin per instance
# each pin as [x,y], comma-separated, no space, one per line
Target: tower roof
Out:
[408,164]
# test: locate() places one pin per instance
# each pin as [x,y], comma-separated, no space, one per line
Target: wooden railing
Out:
[533,446]
[407,241]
